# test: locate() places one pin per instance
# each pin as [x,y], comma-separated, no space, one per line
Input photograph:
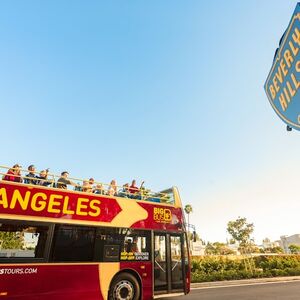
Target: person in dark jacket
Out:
[31,178]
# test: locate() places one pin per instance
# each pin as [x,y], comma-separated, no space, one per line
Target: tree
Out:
[210,249]
[240,231]
[277,250]
[11,240]
[294,249]
[188,209]
[217,248]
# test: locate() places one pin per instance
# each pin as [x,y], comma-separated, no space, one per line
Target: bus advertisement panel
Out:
[57,205]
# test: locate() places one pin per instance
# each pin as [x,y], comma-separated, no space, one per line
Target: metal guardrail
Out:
[83,185]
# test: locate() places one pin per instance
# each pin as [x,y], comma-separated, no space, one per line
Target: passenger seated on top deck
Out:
[86,187]
[124,192]
[63,181]
[13,174]
[144,192]
[92,184]
[43,178]
[112,189]
[91,181]
[31,178]
[99,189]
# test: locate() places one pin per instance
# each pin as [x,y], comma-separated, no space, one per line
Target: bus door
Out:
[169,271]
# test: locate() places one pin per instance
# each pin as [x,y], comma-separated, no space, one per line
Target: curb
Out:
[243,282]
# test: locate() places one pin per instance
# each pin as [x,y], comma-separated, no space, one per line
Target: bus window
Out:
[22,240]
[118,244]
[73,243]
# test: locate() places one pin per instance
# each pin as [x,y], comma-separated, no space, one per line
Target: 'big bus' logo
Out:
[162,215]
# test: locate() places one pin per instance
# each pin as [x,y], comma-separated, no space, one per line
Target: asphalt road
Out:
[269,291]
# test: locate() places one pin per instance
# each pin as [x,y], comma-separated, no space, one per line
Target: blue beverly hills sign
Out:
[283,82]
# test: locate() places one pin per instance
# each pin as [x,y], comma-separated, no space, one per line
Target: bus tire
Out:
[124,286]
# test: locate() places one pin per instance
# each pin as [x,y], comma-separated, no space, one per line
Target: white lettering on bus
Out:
[20,271]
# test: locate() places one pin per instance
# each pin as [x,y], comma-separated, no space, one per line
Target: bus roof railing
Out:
[166,196]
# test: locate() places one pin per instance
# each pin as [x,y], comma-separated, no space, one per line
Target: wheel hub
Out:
[123,290]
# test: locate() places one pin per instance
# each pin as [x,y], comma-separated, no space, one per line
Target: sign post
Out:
[283,82]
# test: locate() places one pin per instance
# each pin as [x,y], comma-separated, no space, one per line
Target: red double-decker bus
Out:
[63,244]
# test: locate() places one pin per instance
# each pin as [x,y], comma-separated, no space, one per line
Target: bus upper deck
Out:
[145,209]
[84,185]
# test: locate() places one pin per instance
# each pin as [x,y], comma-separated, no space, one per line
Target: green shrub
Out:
[214,268]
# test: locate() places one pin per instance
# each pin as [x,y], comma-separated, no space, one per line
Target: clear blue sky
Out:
[170,92]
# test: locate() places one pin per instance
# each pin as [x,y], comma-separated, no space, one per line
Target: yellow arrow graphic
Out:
[131,213]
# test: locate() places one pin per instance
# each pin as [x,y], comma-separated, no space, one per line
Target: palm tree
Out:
[188,209]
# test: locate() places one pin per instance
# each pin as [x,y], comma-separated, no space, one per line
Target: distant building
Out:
[286,241]
[197,248]
[267,244]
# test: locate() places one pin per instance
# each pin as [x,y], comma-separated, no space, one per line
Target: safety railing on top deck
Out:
[50,180]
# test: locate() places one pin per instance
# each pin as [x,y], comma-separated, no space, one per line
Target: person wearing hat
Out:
[13,174]
[31,178]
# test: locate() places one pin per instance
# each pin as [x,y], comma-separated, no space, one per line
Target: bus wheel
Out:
[124,287]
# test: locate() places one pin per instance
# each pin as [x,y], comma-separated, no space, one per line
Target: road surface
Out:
[266,291]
